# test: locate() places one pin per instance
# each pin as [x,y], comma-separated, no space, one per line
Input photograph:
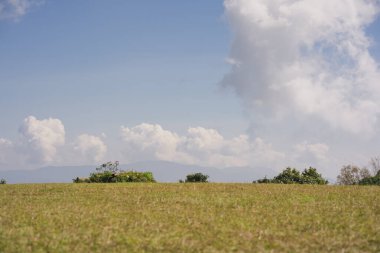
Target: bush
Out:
[103,177]
[3,181]
[81,180]
[196,178]
[311,176]
[134,176]
[109,173]
[375,180]
[265,180]
[288,176]
[293,176]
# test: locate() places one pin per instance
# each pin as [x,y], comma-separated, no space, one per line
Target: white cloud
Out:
[42,138]
[148,140]
[199,146]
[314,153]
[308,58]
[14,9]
[6,154]
[92,148]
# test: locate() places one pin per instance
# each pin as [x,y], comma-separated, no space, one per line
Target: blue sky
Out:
[98,65]
[213,83]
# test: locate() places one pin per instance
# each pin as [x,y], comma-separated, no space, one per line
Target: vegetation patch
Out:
[293,176]
[196,178]
[190,217]
[110,173]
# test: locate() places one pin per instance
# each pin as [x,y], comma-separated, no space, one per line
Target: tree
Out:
[351,174]
[3,181]
[109,166]
[311,176]
[375,164]
[196,178]
[293,176]
[288,176]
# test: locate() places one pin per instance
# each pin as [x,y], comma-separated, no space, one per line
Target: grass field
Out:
[188,218]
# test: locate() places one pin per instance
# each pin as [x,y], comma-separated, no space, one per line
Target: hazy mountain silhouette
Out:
[163,172]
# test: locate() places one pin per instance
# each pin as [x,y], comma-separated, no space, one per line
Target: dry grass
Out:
[188,218]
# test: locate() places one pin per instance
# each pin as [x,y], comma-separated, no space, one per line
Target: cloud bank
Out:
[199,145]
[306,59]
[44,142]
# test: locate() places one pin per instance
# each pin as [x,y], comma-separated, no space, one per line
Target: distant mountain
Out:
[163,172]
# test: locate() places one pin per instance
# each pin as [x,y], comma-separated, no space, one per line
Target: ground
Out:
[189,218]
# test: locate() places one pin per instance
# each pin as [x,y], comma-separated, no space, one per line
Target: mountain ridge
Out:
[163,171]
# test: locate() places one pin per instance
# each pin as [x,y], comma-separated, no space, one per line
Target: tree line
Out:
[354,175]
[349,175]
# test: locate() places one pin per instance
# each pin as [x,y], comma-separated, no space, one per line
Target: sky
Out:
[265,83]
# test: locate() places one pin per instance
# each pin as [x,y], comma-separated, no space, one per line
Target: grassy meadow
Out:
[130,217]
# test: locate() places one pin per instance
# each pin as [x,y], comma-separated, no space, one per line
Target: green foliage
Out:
[81,180]
[110,173]
[3,181]
[311,176]
[375,180]
[103,177]
[265,180]
[134,176]
[288,176]
[293,176]
[196,178]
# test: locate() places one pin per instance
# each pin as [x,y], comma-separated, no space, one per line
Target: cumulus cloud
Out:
[42,138]
[151,141]
[44,142]
[308,58]
[14,9]
[92,148]
[198,146]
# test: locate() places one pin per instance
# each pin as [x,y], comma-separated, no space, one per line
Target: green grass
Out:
[189,218]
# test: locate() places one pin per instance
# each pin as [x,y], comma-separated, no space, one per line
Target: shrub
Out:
[134,176]
[80,180]
[288,176]
[311,176]
[3,181]
[196,178]
[103,177]
[375,180]
[293,176]
[109,173]
[265,180]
